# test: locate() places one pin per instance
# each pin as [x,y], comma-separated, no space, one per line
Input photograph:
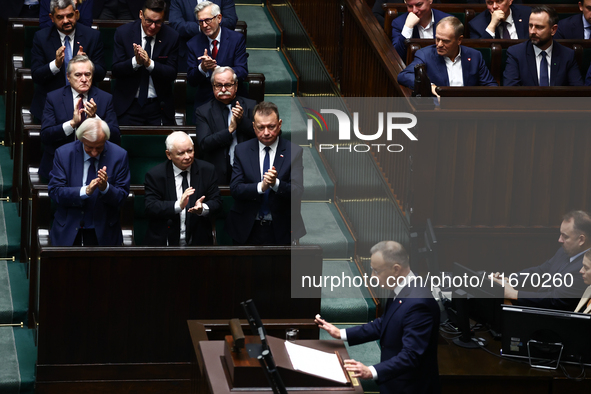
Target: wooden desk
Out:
[469,371]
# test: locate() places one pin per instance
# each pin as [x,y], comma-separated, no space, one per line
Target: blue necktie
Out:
[67,57]
[544,80]
[266,165]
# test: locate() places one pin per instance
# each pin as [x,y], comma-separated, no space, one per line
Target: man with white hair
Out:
[89,183]
[223,122]
[181,194]
[214,46]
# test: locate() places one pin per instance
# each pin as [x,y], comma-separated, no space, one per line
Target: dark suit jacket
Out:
[520,14]
[213,136]
[521,66]
[134,8]
[160,199]
[231,52]
[588,77]
[64,189]
[397,26]
[85,10]
[571,28]
[474,71]
[182,19]
[557,297]
[45,43]
[284,205]
[408,333]
[59,109]
[164,56]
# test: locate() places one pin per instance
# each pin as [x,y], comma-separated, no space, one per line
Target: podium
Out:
[227,371]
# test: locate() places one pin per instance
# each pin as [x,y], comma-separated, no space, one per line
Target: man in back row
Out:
[419,22]
[575,237]
[503,19]
[449,63]
[541,61]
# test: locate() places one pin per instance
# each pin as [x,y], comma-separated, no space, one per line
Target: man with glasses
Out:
[214,46]
[223,122]
[144,66]
[54,46]
[184,21]
[66,108]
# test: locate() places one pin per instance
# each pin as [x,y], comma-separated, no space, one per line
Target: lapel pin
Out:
[400,302]
[280,155]
[520,20]
[469,59]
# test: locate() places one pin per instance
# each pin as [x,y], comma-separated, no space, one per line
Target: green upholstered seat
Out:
[144,152]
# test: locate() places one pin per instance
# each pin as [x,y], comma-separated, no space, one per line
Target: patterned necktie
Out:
[214,50]
[266,165]
[67,56]
[145,79]
[81,106]
[544,80]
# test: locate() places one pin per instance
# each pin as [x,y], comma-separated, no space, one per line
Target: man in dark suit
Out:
[183,19]
[214,46]
[418,22]
[466,66]
[20,9]
[145,65]
[575,237]
[576,27]
[178,214]
[541,61]
[68,107]
[408,330]
[223,122]
[53,47]
[267,185]
[502,20]
[89,183]
[116,9]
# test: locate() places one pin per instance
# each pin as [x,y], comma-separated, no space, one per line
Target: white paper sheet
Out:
[316,362]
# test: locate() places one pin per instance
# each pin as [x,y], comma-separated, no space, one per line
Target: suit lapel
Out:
[224,46]
[396,304]
[466,63]
[137,35]
[554,64]
[218,115]
[157,45]
[170,184]
[55,38]
[530,58]
[79,164]
[68,100]
[254,160]
[441,68]
[280,155]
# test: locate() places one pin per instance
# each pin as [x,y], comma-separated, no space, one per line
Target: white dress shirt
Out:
[218,38]
[178,182]
[424,32]
[454,70]
[510,26]
[134,63]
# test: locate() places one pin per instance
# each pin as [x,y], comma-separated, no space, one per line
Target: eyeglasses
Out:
[375,271]
[219,86]
[150,22]
[206,21]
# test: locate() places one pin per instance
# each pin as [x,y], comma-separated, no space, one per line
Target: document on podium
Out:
[316,362]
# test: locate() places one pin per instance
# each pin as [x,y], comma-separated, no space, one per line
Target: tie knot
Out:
[92,160]
[80,95]
[267,149]
[214,42]
[149,39]
[184,174]
[543,53]
[67,39]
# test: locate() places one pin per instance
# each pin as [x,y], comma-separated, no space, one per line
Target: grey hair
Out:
[222,69]
[215,9]
[174,137]
[89,129]
[79,59]
[61,5]
[392,253]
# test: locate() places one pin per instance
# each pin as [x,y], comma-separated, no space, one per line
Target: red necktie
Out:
[214,51]
[81,106]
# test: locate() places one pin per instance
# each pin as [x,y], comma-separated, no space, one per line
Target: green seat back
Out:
[486,55]
[145,152]
[108,39]
[222,237]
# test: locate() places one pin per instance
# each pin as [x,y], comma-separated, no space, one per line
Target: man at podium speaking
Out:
[408,330]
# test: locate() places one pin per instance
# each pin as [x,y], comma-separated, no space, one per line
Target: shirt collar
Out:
[509,18]
[273,146]
[177,171]
[573,258]
[72,35]
[144,35]
[457,58]
[75,94]
[408,278]
[548,50]
[430,25]
[585,22]
[216,38]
